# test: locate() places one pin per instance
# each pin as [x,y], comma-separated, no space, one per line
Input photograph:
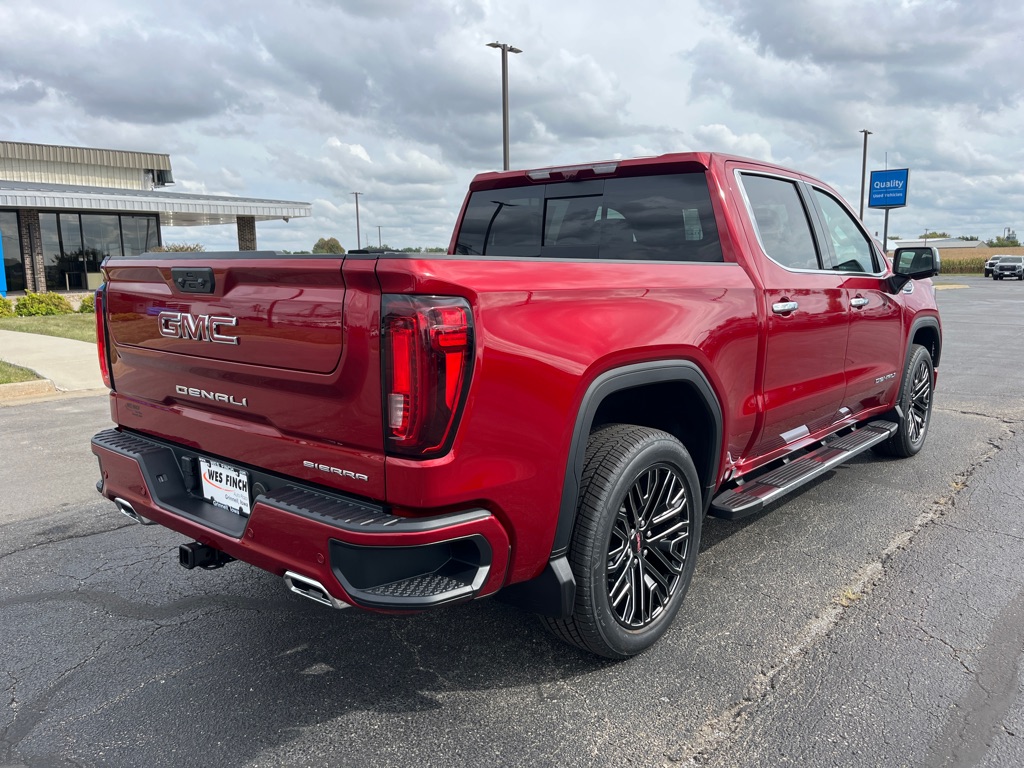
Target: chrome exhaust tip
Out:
[129,511]
[312,589]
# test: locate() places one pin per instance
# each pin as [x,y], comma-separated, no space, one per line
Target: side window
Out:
[781,221]
[853,251]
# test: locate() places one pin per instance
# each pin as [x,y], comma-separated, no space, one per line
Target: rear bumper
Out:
[358,551]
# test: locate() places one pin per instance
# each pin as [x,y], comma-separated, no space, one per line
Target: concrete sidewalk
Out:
[64,364]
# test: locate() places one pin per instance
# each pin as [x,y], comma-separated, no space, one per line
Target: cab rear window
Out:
[655,218]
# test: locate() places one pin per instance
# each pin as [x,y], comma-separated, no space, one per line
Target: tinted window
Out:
[664,218]
[853,251]
[781,221]
[139,234]
[55,266]
[502,222]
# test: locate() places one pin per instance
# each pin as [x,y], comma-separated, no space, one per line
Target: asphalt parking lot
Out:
[876,618]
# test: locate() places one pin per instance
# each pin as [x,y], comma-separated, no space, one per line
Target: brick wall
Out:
[32,250]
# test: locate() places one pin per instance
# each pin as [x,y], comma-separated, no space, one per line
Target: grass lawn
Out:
[9,374]
[78,327]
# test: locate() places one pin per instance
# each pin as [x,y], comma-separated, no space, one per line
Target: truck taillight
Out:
[428,359]
[101,337]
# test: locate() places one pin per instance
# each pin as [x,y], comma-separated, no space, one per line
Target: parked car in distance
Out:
[1009,266]
[991,264]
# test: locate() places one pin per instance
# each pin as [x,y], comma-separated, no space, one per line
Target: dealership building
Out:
[64,209]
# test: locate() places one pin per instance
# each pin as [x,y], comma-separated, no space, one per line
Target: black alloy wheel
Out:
[635,541]
[915,406]
[648,547]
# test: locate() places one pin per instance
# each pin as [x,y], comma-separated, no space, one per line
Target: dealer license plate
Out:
[225,486]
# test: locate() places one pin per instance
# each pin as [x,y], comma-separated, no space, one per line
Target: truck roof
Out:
[681,161]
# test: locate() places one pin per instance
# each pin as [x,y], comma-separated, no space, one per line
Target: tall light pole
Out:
[863,170]
[506,49]
[378,237]
[359,243]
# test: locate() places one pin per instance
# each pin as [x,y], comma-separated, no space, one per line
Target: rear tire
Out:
[915,405]
[635,542]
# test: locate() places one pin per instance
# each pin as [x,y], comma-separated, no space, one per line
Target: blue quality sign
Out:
[889,188]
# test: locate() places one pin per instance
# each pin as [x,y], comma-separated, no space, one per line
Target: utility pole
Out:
[359,242]
[863,171]
[505,49]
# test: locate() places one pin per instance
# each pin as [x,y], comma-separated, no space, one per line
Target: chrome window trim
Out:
[739,172]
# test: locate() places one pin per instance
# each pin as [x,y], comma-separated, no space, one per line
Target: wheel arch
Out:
[926,332]
[637,394]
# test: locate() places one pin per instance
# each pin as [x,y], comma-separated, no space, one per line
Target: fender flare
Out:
[928,321]
[616,380]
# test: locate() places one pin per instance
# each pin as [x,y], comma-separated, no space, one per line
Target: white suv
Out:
[990,265]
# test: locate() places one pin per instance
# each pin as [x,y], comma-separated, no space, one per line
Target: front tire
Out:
[915,406]
[635,542]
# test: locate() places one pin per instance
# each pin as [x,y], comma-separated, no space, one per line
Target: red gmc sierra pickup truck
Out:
[607,354]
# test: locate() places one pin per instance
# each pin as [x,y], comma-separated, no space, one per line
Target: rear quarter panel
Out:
[545,330]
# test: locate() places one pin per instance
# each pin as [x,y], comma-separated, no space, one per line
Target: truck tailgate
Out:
[277,355]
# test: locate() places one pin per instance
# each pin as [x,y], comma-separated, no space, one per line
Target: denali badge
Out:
[203,394]
[335,471]
[182,325]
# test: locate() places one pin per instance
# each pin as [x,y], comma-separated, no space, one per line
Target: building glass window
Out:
[75,245]
[73,258]
[13,266]
[139,234]
[55,265]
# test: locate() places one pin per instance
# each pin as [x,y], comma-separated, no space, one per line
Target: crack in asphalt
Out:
[32,712]
[979,715]
[116,605]
[720,730]
[72,537]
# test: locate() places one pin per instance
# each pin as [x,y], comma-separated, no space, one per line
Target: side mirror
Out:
[915,263]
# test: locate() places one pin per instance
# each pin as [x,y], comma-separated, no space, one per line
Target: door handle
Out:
[784,307]
[858,302]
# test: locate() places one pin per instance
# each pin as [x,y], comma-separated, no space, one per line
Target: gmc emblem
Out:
[182,325]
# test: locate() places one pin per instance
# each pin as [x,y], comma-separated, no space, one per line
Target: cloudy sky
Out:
[400,100]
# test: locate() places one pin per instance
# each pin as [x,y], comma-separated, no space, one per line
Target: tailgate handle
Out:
[193,279]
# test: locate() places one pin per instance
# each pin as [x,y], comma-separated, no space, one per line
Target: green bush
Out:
[179,248]
[88,305]
[6,308]
[35,304]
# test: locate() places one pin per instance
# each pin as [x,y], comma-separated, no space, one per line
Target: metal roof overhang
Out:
[175,208]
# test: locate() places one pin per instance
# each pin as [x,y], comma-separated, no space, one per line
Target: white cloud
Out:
[400,99]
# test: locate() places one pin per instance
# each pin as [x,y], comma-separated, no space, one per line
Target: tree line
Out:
[332,245]
[1006,240]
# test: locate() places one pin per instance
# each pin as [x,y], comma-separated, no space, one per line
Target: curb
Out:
[22,389]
